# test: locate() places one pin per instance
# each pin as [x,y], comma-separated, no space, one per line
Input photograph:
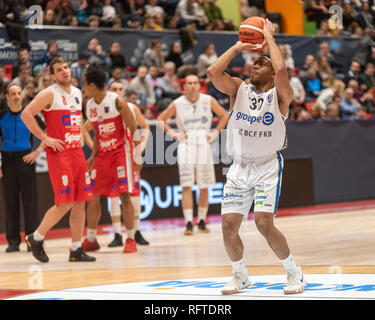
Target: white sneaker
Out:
[296,282]
[238,283]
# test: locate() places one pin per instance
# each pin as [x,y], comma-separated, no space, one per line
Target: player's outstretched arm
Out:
[283,88]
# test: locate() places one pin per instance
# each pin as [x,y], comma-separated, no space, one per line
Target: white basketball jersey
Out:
[256,128]
[194,118]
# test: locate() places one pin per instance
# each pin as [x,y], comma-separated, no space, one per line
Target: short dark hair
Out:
[54,61]
[9,85]
[96,76]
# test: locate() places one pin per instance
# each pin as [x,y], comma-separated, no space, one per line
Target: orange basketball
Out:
[251,31]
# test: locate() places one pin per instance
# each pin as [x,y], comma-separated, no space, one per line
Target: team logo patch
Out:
[87,177]
[93,174]
[77,99]
[64,180]
[269,98]
[121,172]
[204,119]
[106,109]
[73,109]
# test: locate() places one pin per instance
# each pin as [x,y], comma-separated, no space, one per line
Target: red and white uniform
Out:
[67,169]
[130,148]
[109,176]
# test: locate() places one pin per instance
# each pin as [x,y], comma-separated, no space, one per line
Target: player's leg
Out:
[137,211]
[187,209]
[267,194]
[93,216]
[115,213]
[203,209]
[128,217]
[77,224]
[51,218]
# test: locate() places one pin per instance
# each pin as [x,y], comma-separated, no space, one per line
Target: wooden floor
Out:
[320,243]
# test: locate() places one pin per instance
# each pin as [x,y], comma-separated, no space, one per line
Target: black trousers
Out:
[19,186]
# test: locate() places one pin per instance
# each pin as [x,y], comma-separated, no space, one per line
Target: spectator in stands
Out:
[94,8]
[312,85]
[364,48]
[152,76]
[109,13]
[158,19]
[349,18]
[170,22]
[49,17]
[134,22]
[316,112]
[298,89]
[168,83]
[174,54]
[316,11]
[3,83]
[78,68]
[117,59]
[206,58]
[29,92]
[367,77]
[325,51]
[149,23]
[310,62]
[93,21]
[371,57]
[116,23]
[326,96]
[324,30]
[72,21]
[23,58]
[45,81]
[52,51]
[333,112]
[353,72]
[361,113]
[24,75]
[96,54]
[301,114]
[212,11]
[187,12]
[130,8]
[365,16]
[251,8]
[358,91]
[367,101]
[287,55]
[152,7]
[62,8]
[358,32]
[153,56]
[201,14]
[117,75]
[118,87]
[325,71]
[80,11]
[132,96]
[348,105]
[144,88]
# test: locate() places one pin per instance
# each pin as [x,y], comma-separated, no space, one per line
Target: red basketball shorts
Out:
[69,176]
[109,175]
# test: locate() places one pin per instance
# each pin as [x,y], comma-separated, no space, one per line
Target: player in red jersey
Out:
[61,104]
[107,113]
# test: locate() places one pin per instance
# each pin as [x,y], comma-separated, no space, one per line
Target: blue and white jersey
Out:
[194,118]
[256,128]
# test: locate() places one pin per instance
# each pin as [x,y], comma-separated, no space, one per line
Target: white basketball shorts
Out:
[247,183]
[195,165]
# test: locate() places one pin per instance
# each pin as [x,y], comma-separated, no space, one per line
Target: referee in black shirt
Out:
[17,169]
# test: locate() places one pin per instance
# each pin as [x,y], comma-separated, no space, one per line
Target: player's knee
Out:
[229,230]
[264,225]
[63,208]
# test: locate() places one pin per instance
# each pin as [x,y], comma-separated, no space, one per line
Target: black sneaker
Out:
[80,256]
[202,226]
[117,241]
[139,239]
[36,248]
[189,229]
[12,247]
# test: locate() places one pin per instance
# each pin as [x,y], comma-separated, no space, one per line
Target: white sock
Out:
[239,266]
[117,227]
[131,233]
[38,236]
[76,245]
[91,235]
[202,213]
[136,223]
[289,264]
[188,215]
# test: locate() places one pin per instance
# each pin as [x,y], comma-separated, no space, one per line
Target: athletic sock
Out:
[202,213]
[188,215]
[38,236]
[91,235]
[76,245]
[239,267]
[117,227]
[289,264]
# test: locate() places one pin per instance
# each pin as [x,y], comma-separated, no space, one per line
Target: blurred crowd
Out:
[322,89]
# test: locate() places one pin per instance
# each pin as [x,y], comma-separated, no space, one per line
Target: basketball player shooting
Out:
[256,134]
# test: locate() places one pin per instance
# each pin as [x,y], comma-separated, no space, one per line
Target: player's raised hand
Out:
[246,47]
[268,29]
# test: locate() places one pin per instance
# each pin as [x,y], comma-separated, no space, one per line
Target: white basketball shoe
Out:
[239,282]
[296,282]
